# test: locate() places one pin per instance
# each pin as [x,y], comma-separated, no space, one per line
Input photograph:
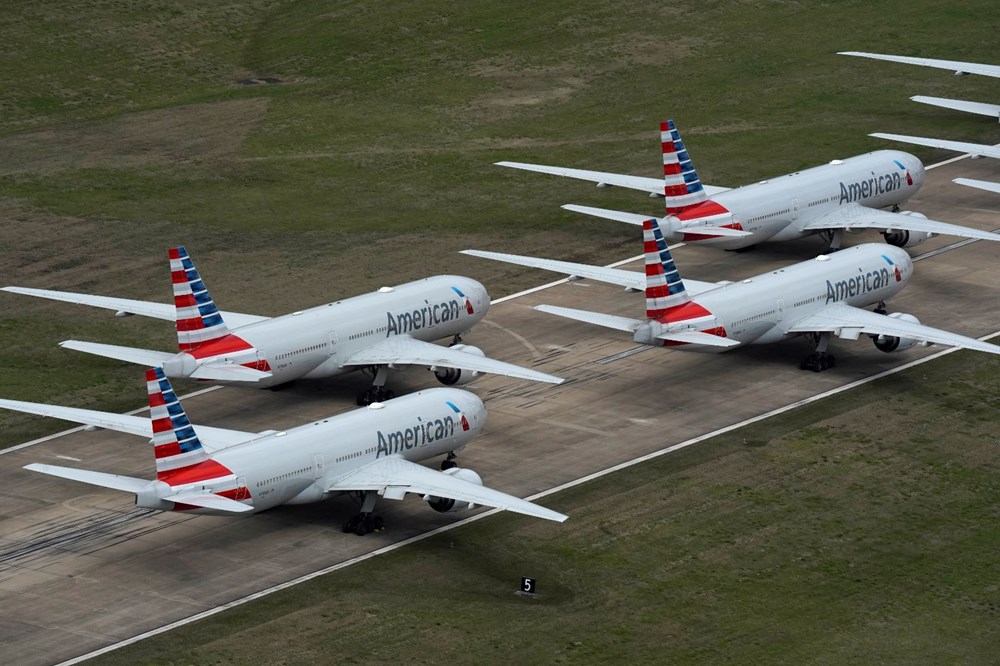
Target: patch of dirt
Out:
[194,133]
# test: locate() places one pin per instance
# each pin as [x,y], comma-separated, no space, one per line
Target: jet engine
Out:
[447,504]
[905,237]
[458,376]
[889,343]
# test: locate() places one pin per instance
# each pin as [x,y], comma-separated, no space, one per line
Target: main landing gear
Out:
[819,360]
[378,392]
[365,522]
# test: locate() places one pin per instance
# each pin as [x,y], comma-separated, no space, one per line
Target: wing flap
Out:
[652,186]
[698,338]
[404,350]
[393,477]
[855,216]
[850,321]
[210,501]
[128,484]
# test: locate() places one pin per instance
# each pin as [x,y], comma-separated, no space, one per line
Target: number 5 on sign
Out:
[527,585]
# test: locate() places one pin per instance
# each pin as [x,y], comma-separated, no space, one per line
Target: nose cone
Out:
[477,295]
[471,407]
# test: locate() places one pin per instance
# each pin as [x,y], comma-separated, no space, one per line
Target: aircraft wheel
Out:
[448,464]
[351,524]
[378,524]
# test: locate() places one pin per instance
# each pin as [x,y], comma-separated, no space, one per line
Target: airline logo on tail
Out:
[180,457]
[198,320]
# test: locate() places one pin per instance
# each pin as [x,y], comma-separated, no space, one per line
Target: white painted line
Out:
[479,516]
[954,159]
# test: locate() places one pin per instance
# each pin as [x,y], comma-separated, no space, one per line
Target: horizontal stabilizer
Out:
[128,484]
[698,338]
[210,501]
[597,318]
[218,372]
[147,357]
[957,146]
[981,108]
[980,184]
[617,216]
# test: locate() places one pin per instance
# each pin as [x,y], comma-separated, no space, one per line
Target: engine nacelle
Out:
[458,376]
[905,237]
[447,504]
[889,343]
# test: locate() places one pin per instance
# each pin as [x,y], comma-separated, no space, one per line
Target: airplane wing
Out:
[636,219]
[981,108]
[957,146]
[654,186]
[404,350]
[628,279]
[981,184]
[393,477]
[596,318]
[849,322]
[128,306]
[856,216]
[954,65]
[211,438]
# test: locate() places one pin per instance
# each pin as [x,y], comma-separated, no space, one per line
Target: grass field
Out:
[125,128]
[802,539]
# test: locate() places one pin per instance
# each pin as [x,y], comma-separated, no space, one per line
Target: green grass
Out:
[808,538]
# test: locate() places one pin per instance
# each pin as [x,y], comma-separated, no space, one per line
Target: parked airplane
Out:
[828,200]
[366,452]
[378,331]
[821,298]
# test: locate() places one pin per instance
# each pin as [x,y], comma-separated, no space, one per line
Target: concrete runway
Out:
[81,567]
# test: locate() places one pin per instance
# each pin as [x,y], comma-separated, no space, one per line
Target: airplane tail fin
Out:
[664,287]
[175,444]
[198,320]
[681,185]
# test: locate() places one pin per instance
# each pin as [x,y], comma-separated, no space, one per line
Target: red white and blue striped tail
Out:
[198,320]
[175,443]
[664,287]
[681,185]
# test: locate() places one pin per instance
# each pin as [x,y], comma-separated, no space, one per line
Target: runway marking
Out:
[420,537]
[952,160]
[520,338]
[574,426]
[624,354]
[479,516]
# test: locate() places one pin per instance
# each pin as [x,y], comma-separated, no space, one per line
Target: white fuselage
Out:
[317,342]
[760,309]
[298,465]
[777,209]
